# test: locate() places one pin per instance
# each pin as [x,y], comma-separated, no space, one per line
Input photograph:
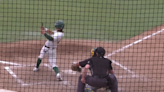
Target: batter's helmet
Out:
[100,51]
[59,24]
[93,52]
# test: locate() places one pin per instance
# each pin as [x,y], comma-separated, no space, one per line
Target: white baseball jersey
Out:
[49,49]
[57,36]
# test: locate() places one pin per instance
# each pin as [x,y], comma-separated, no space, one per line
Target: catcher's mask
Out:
[59,24]
[93,52]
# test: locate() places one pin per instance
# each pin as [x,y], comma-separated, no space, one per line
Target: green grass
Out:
[109,20]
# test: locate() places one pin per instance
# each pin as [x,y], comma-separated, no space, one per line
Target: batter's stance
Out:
[49,49]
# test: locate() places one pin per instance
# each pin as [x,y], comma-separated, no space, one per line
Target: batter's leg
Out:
[56,69]
[58,76]
[37,65]
[39,60]
[52,61]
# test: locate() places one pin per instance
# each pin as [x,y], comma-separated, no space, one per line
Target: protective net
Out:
[131,32]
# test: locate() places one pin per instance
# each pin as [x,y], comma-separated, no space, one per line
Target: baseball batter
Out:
[49,49]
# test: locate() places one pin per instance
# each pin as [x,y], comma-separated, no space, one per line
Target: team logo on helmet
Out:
[93,51]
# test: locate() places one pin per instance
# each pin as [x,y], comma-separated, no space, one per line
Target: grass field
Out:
[85,19]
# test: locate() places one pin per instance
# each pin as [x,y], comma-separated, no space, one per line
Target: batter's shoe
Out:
[58,76]
[35,69]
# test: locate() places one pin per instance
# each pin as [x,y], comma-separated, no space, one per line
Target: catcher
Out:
[102,74]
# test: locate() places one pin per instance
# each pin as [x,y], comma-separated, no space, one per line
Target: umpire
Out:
[101,72]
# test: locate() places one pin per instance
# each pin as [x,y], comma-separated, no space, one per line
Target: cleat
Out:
[58,76]
[35,69]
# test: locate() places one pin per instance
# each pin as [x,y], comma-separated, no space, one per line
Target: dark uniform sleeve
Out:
[83,63]
[110,65]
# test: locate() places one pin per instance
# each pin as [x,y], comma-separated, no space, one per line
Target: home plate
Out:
[69,71]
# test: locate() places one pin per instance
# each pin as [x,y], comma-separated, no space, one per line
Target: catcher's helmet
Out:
[59,24]
[93,52]
[100,51]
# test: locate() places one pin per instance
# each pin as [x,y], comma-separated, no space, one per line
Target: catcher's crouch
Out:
[101,72]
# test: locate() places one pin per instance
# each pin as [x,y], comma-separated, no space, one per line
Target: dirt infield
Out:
[138,64]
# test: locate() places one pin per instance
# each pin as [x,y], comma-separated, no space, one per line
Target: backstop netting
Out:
[131,32]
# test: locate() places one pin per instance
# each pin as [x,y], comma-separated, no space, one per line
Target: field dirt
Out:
[138,66]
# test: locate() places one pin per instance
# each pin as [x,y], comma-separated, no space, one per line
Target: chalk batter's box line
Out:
[47,65]
[20,81]
[127,46]
[69,71]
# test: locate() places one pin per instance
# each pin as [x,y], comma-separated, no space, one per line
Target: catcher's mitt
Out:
[74,67]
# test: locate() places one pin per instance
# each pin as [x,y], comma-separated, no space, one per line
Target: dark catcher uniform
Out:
[100,76]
